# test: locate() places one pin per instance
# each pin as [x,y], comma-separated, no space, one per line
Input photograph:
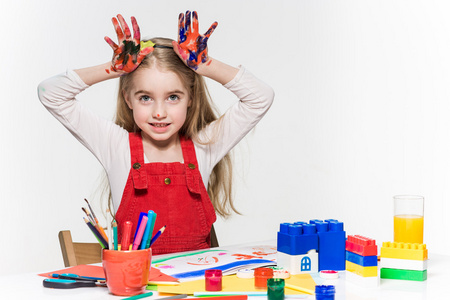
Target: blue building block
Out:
[297,238]
[365,261]
[331,244]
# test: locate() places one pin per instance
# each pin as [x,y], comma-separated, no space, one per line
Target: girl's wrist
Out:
[95,74]
[217,71]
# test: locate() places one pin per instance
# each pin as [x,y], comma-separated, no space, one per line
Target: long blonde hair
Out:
[201,113]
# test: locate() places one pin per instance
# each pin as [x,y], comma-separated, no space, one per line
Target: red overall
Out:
[175,192]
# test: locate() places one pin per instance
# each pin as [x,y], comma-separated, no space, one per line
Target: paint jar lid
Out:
[245,273]
[266,272]
[274,283]
[213,273]
[329,274]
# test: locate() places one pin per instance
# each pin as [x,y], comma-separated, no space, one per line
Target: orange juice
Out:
[408,229]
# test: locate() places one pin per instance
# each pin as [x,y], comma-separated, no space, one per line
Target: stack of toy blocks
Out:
[361,261]
[331,244]
[404,261]
[297,247]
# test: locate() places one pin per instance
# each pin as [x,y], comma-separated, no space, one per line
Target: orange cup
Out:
[126,272]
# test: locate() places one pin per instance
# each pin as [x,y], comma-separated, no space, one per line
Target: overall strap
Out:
[138,173]
[193,177]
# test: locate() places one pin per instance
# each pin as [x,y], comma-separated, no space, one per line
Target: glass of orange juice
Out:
[408,219]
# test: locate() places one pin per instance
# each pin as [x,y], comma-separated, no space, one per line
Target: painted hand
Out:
[192,46]
[128,54]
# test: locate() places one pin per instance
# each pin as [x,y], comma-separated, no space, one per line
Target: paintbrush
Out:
[100,228]
[88,215]
[91,219]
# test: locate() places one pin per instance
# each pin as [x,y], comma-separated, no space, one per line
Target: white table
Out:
[29,286]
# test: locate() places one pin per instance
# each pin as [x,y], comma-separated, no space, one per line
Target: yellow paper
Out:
[232,283]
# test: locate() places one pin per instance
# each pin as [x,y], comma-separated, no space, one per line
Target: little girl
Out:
[166,151]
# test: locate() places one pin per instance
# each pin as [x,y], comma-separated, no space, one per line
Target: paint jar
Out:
[325,292]
[408,219]
[126,272]
[261,276]
[275,288]
[213,280]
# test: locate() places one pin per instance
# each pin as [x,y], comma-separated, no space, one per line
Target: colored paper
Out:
[97,271]
[232,283]
[198,261]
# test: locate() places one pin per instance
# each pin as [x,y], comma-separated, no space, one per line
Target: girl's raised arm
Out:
[128,54]
[193,50]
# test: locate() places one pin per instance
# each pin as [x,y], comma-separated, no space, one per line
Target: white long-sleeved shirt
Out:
[109,142]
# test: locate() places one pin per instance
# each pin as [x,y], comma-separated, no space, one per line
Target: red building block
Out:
[361,245]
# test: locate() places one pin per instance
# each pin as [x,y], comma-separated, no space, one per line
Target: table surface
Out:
[29,286]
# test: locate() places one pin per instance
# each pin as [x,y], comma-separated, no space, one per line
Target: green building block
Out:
[403,274]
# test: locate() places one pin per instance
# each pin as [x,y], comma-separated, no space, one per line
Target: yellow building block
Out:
[404,251]
[360,270]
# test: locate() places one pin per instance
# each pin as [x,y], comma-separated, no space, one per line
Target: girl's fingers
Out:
[143,54]
[111,43]
[194,22]
[119,32]
[136,30]
[125,27]
[181,31]
[211,30]
[187,25]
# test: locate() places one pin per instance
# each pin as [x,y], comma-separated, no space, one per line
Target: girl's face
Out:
[159,102]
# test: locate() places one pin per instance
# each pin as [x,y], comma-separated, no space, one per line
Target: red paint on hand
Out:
[127,53]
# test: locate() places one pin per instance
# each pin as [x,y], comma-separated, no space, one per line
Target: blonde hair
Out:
[200,113]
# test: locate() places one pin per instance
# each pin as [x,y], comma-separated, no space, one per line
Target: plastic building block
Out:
[361,245]
[331,244]
[366,282]
[403,274]
[360,270]
[365,261]
[325,292]
[297,264]
[404,251]
[297,238]
[403,264]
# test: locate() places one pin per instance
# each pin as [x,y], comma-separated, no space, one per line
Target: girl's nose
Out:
[159,112]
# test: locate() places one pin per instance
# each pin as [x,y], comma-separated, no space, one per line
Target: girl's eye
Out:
[173,98]
[144,98]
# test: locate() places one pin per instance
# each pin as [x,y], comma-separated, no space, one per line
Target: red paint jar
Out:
[213,280]
[261,276]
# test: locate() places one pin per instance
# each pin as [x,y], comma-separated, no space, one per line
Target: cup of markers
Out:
[127,265]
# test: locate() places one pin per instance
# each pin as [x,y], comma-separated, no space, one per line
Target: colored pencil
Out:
[225,294]
[157,235]
[229,297]
[116,241]
[139,296]
[164,283]
[180,296]
[109,227]
[99,237]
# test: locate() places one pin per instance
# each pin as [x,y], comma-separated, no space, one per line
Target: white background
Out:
[360,114]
